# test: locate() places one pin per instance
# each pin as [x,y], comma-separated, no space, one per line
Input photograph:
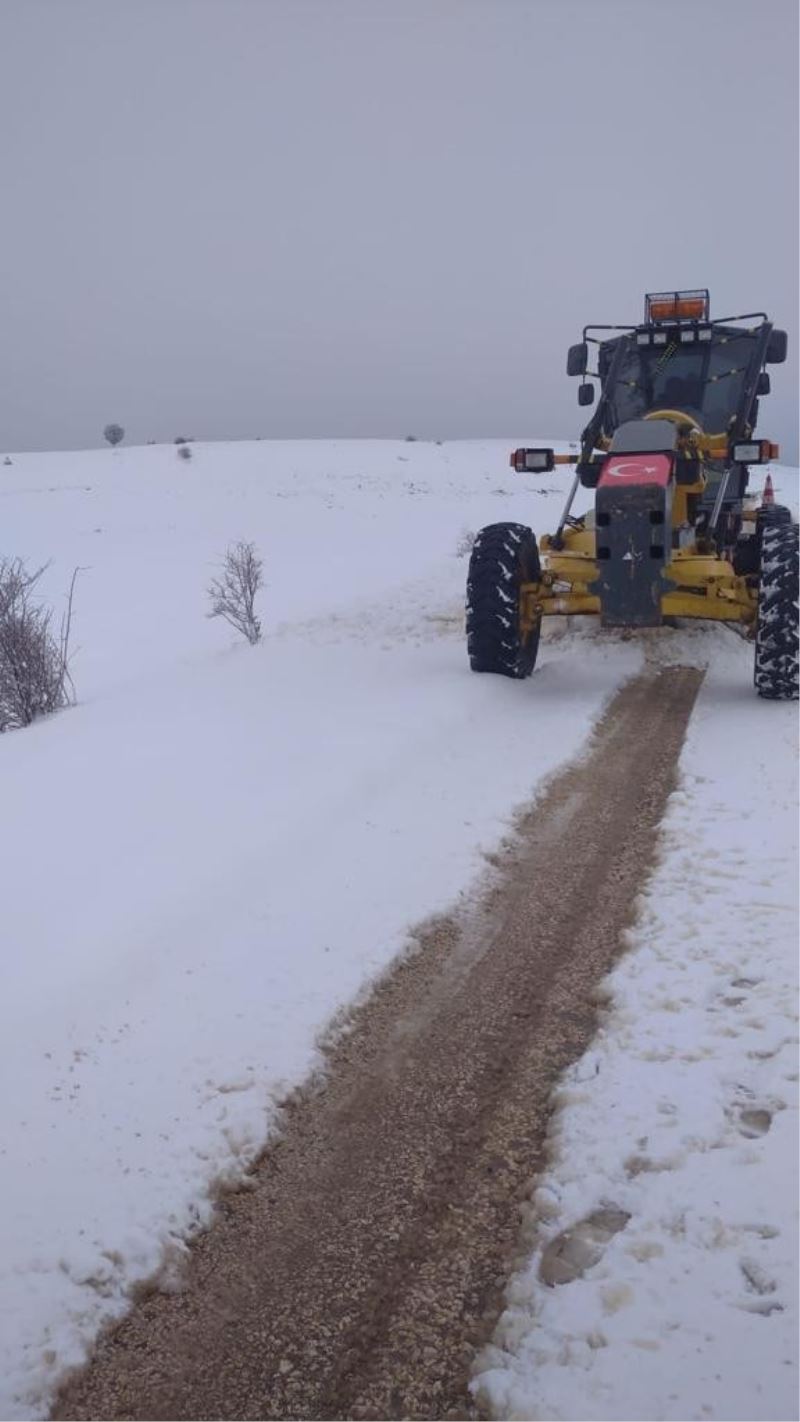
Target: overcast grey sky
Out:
[228,218]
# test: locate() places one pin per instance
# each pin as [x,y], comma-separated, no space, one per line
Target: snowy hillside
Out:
[219,846]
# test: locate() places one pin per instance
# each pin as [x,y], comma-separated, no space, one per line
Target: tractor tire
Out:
[747,553]
[504,556]
[772,516]
[776,667]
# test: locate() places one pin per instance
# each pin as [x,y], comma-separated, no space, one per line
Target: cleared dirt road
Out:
[367,1262]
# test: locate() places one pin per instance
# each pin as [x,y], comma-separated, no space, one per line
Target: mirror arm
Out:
[557,539]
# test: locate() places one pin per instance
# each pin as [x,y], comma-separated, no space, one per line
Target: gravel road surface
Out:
[365,1263]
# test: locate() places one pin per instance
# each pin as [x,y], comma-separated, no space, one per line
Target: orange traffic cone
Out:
[768,495]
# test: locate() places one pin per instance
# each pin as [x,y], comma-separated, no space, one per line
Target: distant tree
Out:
[233,594]
[114,434]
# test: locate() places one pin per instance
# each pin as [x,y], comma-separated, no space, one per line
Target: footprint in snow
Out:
[751,1114]
[756,1278]
[754,1121]
[765,1054]
[764,1231]
[579,1248]
[763,1306]
[645,1165]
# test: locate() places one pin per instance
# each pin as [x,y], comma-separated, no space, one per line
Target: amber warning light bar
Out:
[677,306]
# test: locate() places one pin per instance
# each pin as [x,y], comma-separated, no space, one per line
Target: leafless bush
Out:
[184,452]
[115,434]
[466,538]
[34,662]
[233,594]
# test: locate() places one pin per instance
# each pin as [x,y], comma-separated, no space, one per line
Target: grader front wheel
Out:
[504,556]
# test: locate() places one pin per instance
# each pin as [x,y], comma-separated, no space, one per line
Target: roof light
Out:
[689,335]
[676,306]
[704,333]
[643,338]
[660,338]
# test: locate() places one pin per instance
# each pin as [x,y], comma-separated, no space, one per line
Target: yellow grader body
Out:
[673,533]
[697,583]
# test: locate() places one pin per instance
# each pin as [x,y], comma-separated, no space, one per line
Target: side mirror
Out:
[577,359]
[763,387]
[776,348]
[586,393]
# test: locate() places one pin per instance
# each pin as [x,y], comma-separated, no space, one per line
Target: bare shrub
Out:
[233,594]
[466,538]
[34,662]
[184,452]
[114,434]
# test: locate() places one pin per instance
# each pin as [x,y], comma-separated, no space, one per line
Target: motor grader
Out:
[672,534]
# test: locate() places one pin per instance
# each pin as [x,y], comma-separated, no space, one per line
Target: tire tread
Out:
[504,556]
[776,656]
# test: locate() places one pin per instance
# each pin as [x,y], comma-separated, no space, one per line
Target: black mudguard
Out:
[634,537]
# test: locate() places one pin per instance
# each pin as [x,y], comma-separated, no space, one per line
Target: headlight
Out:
[532,461]
[756,451]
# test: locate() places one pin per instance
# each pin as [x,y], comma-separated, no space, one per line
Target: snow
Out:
[683,1114]
[221,846]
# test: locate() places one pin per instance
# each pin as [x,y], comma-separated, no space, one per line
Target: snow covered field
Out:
[220,846]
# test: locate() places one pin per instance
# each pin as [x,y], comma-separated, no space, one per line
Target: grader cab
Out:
[668,452]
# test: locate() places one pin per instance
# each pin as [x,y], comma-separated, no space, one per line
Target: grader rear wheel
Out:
[776,667]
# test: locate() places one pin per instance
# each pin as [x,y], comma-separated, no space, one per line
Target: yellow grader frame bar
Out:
[696,584]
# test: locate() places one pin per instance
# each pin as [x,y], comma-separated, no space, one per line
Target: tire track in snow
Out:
[365,1264]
